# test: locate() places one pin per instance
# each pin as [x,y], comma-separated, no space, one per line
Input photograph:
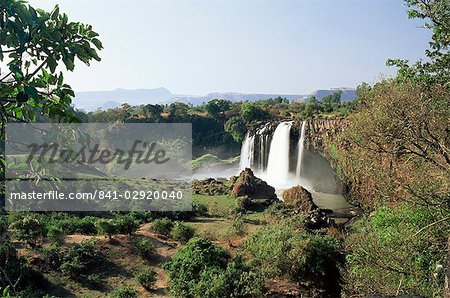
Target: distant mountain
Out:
[93,100]
[233,96]
[348,94]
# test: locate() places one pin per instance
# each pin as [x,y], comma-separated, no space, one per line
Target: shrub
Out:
[80,259]
[237,280]
[55,232]
[237,227]
[124,291]
[144,247]
[146,278]
[71,224]
[388,255]
[107,227]
[199,209]
[282,250]
[162,226]
[243,204]
[126,225]
[186,266]
[94,280]
[182,232]
[53,256]
[30,229]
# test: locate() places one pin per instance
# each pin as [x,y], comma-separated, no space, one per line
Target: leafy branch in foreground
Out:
[34,45]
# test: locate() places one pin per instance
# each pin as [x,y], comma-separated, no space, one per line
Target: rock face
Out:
[211,187]
[247,184]
[299,198]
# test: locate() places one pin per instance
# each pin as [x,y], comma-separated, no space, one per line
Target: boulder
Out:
[299,198]
[247,184]
[211,187]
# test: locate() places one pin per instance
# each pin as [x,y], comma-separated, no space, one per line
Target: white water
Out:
[247,152]
[277,157]
[301,148]
[278,164]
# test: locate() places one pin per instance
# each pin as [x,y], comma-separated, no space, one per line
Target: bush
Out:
[283,250]
[70,224]
[107,227]
[124,291]
[237,280]
[144,247]
[30,229]
[94,280]
[80,259]
[126,225]
[53,256]
[388,255]
[199,209]
[186,266]
[237,227]
[182,232]
[146,278]
[162,226]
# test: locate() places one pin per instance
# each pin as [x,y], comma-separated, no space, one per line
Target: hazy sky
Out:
[266,46]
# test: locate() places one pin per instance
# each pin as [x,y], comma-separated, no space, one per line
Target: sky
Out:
[194,47]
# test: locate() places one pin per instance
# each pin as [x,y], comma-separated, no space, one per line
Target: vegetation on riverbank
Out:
[393,156]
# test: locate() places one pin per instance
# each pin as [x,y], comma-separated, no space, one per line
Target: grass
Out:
[217,205]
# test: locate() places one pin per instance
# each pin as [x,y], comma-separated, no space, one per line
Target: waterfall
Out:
[247,151]
[278,164]
[301,148]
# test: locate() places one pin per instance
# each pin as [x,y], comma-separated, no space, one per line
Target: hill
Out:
[93,100]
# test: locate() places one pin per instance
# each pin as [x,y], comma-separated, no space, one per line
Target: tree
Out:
[153,112]
[217,107]
[311,107]
[34,44]
[252,112]
[436,14]
[178,112]
[236,128]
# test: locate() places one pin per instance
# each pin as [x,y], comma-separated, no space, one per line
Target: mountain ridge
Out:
[94,100]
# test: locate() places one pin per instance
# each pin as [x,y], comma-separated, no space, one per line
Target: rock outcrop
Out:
[211,187]
[247,184]
[301,201]
[299,198]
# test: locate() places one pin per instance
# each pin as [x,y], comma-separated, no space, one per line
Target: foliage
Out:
[144,247]
[146,278]
[124,291]
[235,126]
[30,229]
[397,136]
[162,226]
[282,250]
[15,271]
[106,227]
[253,112]
[237,280]
[394,251]
[188,263]
[80,259]
[126,225]
[237,227]
[436,14]
[182,232]
[33,44]
[217,107]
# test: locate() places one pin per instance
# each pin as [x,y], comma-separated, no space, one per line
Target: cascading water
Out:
[301,148]
[247,152]
[278,164]
[268,154]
